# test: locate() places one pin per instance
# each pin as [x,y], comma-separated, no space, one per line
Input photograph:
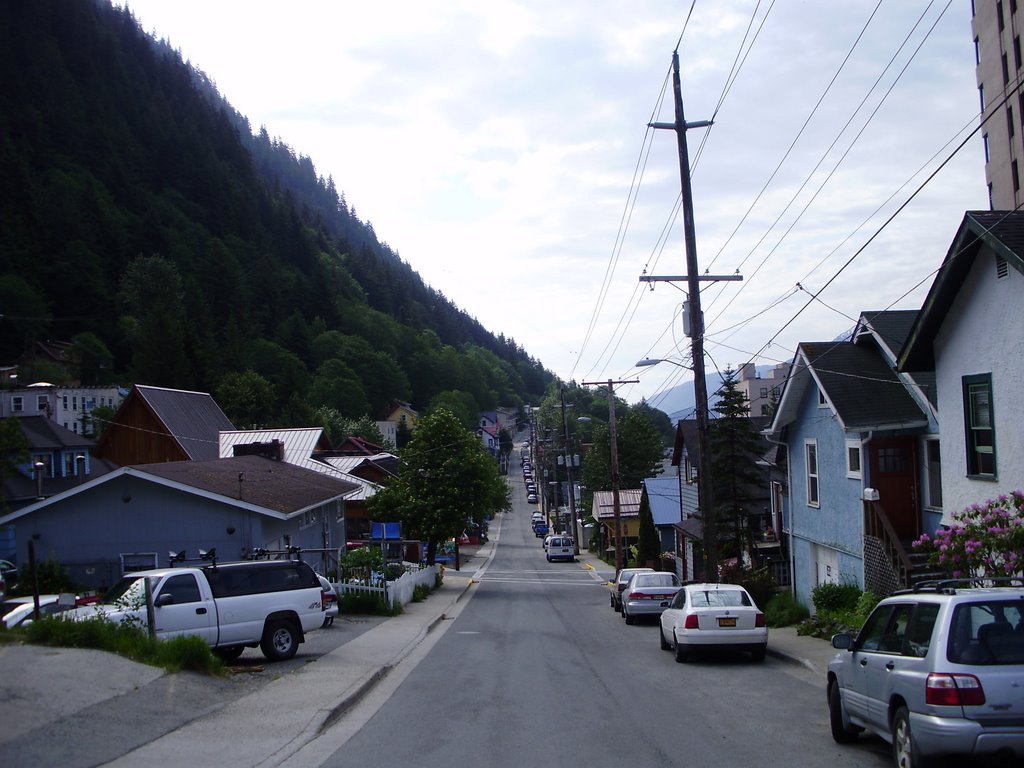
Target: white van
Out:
[561,548]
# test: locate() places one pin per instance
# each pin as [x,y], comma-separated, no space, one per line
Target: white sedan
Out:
[703,616]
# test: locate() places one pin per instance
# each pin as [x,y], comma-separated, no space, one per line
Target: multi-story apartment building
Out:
[761,393]
[73,406]
[997,27]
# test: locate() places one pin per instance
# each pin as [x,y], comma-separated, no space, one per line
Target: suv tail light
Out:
[323,600]
[691,622]
[953,690]
[759,619]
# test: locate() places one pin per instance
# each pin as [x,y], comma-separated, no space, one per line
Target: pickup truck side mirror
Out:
[165,598]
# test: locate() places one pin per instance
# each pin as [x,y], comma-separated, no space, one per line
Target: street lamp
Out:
[704,490]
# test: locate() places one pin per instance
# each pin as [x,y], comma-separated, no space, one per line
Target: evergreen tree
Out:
[735,447]
[648,543]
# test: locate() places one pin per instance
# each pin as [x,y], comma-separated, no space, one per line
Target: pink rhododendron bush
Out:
[984,540]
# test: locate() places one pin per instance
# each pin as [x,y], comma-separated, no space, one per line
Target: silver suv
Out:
[938,670]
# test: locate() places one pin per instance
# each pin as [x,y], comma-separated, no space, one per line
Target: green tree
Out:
[14,450]
[154,321]
[648,543]
[246,398]
[95,360]
[461,404]
[505,443]
[735,447]
[446,480]
[94,422]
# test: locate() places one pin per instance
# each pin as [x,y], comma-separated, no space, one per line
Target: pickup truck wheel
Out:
[280,640]
[230,653]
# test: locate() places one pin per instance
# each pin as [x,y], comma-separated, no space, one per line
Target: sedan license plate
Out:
[727,621]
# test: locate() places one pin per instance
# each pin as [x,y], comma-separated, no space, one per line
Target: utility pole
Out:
[614,452]
[568,476]
[700,388]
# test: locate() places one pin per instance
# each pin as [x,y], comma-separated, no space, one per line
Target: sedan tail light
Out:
[759,619]
[637,595]
[691,622]
[953,690]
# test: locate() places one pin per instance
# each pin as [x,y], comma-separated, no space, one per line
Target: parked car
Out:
[8,576]
[330,600]
[540,529]
[935,671]
[648,594]
[705,616]
[531,498]
[619,583]
[560,548]
[16,611]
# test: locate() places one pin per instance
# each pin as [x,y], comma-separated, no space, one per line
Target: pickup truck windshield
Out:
[129,591]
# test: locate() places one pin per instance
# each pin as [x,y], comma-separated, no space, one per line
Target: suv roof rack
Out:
[950,586]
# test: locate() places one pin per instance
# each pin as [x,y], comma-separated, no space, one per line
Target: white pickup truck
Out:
[270,604]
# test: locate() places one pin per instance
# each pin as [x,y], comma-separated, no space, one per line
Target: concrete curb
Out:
[355,693]
[791,658]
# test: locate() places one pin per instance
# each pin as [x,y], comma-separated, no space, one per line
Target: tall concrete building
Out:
[997,26]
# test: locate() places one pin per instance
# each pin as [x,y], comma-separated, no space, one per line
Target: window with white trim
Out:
[853,459]
[811,459]
[17,404]
[822,400]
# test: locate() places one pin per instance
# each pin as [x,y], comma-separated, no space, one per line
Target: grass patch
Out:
[174,655]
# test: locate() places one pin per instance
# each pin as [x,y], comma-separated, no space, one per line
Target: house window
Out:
[764,391]
[853,458]
[64,402]
[1006,70]
[17,404]
[822,400]
[1016,51]
[1016,177]
[74,402]
[990,196]
[1009,118]
[984,143]
[933,470]
[981,96]
[811,454]
[766,409]
[977,51]
[42,403]
[979,426]
[999,15]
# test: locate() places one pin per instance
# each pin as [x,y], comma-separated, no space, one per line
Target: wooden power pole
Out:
[614,453]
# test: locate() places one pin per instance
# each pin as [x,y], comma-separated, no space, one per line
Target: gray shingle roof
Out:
[864,391]
[1001,231]
[271,484]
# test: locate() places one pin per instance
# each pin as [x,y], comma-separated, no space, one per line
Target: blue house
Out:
[859,441]
[135,517]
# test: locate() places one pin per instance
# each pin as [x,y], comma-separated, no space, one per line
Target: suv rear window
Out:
[987,632]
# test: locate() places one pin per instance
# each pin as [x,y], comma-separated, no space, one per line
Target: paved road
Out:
[534,668]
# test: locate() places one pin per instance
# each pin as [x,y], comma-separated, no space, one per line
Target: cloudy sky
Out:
[502,149]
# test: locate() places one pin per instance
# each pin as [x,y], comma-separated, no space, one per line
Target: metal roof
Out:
[193,419]
[663,497]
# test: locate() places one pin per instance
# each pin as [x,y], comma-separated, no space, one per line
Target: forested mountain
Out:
[142,219]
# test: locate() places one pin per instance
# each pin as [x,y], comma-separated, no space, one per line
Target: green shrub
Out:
[759,583]
[784,610]
[174,654]
[831,598]
[420,593]
[362,602]
[439,578]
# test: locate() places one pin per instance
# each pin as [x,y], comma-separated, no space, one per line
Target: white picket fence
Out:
[399,591]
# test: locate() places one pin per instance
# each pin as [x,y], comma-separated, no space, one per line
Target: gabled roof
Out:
[890,330]
[1003,233]
[193,419]
[261,485]
[353,445]
[862,389]
[663,497]
[45,433]
[629,504]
